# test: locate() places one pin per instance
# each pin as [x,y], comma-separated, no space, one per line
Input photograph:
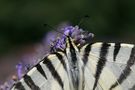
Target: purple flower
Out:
[19,68]
[79,36]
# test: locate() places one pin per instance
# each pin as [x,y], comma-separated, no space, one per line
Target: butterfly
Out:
[74,63]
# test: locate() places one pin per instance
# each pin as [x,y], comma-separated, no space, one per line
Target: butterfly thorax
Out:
[73,69]
[70,43]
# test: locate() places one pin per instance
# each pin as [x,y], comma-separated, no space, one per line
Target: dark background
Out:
[21,21]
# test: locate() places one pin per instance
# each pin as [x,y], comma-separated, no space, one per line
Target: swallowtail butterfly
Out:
[74,63]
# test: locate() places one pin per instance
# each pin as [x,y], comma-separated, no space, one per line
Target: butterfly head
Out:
[77,35]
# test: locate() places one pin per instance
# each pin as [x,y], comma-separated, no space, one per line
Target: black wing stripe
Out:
[53,71]
[116,50]
[126,72]
[72,51]
[101,62]
[86,54]
[61,60]
[19,86]
[30,82]
[40,69]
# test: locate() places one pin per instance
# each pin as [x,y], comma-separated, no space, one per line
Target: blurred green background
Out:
[21,21]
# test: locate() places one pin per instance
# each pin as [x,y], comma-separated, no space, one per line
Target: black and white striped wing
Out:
[49,74]
[109,66]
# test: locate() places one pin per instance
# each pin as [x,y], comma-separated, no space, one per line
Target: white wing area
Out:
[55,77]
[118,74]
[102,66]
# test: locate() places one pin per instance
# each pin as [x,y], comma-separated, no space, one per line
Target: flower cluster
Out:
[79,36]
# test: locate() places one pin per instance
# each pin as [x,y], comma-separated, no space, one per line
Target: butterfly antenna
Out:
[46,25]
[82,19]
